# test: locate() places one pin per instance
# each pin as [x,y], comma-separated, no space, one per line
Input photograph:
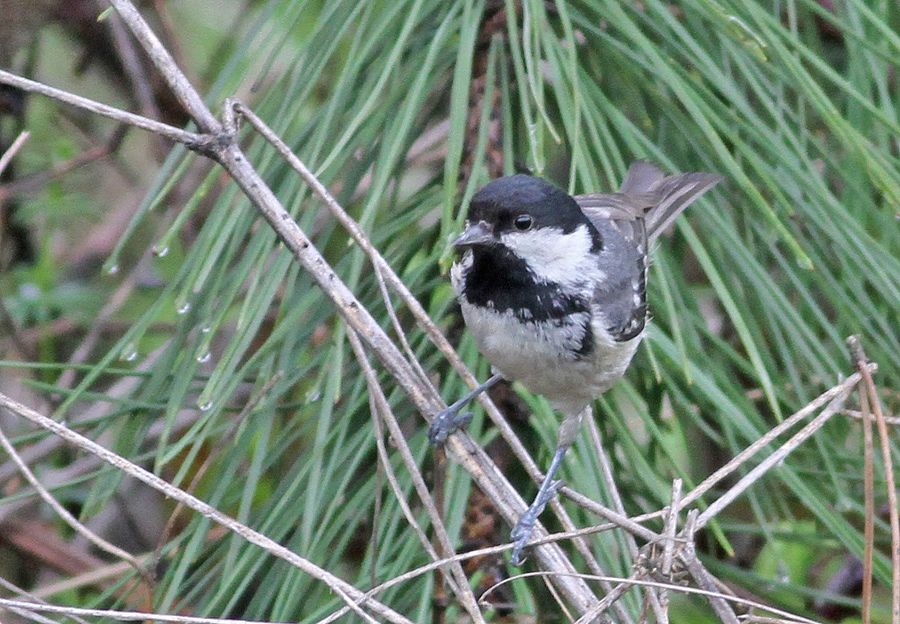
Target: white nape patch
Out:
[554,256]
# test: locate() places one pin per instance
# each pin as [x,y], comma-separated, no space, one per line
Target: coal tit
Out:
[553,289]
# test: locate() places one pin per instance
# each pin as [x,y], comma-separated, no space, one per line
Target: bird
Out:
[553,288]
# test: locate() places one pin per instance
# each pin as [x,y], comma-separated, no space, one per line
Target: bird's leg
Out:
[522,531]
[449,420]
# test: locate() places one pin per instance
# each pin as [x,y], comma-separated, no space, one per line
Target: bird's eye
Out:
[523,222]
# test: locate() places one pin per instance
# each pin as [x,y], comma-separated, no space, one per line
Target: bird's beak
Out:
[480,233]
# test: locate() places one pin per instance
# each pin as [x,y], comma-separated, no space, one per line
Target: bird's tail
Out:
[672,194]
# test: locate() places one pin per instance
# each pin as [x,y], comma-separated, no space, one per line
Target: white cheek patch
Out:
[554,256]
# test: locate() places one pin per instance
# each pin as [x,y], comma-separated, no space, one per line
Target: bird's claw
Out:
[447,421]
[521,533]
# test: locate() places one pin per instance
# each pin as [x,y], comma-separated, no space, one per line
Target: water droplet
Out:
[205,407]
[160,252]
[183,308]
[205,329]
[29,291]
[784,574]
[313,395]
[112,269]
[204,357]
[129,353]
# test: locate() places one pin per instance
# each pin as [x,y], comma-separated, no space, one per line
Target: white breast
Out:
[529,353]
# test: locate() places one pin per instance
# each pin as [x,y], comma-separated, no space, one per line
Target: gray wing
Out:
[647,203]
[621,297]
[648,193]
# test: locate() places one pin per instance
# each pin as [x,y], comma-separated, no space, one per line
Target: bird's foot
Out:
[521,533]
[447,421]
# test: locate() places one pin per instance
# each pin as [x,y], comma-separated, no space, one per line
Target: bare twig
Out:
[703,579]
[462,589]
[619,506]
[888,420]
[348,593]
[18,591]
[872,400]
[61,511]
[739,459]
[11,151]
[96,576]
[160,57]
[772,460]
[675,588]
[190,139]
[671,525]
[33,181]
[125,616]
[868,505]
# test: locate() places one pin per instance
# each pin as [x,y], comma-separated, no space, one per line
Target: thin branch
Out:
[613,490]
[462,589]
[190,139]
[31,182]
[348,593]
[31,596]
[131,63]
[61,511]
[868,386]
[701,576]
[125,616]
[671,526]
[888,420]
[841,389]
[94,577]
[868,505]
[753,475]
[753,604]
[13,149]
[611,599]
[159,55]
